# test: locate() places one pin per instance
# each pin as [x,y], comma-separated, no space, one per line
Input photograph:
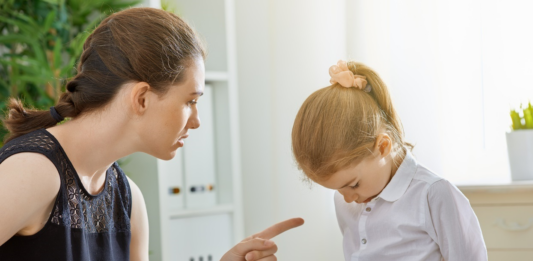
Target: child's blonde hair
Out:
[337,126]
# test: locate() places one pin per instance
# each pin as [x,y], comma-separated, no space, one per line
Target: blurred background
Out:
[455,70]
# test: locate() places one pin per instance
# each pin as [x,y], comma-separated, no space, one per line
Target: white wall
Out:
[284,50]
[150,3]
[454,68]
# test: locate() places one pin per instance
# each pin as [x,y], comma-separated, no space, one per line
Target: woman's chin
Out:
[167,155]
[170,153]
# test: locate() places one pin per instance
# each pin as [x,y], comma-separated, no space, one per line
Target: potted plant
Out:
[520,144]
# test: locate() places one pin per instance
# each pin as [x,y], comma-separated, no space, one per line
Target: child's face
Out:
[363,181]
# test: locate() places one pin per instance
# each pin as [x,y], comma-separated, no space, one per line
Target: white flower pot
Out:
[520,148]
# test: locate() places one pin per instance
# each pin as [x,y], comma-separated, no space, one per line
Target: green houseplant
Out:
[520,143]
[40,42]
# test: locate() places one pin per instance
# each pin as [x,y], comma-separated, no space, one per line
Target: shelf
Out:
[216,76]
[201,212]
[498,188]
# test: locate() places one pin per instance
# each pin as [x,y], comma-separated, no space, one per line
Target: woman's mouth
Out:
[180,140]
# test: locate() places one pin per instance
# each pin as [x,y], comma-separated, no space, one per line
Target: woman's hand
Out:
[259,246]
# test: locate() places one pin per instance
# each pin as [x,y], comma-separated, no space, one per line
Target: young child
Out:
[348,137]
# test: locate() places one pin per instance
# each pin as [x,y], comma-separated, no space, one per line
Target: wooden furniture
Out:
[505,213]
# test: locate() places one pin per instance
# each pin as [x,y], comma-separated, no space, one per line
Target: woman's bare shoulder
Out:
[29,183]
[29,163]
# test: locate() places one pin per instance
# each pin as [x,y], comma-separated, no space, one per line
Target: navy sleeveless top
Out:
[81,227]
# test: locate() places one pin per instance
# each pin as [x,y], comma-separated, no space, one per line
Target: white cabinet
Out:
[171,173]
[198,232]
[199,158]
[505,214]
[194,201]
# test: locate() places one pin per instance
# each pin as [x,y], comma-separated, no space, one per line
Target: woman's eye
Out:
[193,102]
[355,186]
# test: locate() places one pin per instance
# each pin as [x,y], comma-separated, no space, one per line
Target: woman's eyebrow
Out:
[197,93]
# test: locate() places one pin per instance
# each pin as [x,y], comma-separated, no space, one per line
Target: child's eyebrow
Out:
[349,183]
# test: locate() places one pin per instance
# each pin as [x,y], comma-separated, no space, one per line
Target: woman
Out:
[139,78]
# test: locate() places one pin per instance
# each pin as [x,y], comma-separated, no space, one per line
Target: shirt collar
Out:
[401,180]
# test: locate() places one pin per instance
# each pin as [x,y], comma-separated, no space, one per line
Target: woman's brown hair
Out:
[337,126]
[137,44]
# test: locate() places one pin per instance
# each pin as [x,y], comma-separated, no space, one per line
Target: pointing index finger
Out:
[279,228]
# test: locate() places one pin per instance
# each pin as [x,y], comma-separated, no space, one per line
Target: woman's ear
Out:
[140,97]
[383,145]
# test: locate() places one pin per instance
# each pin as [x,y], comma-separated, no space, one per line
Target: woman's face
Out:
[169,117]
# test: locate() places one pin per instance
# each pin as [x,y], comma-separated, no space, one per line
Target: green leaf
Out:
[4,90]
[34,79]
[57,53]
[49,20]
[19,38]
[27,19]
[24,27]
[517,122]
[26,64]
[54,2]
[528,118]
[15,38]
[114,7]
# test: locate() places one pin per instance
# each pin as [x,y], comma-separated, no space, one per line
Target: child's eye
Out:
[355,186]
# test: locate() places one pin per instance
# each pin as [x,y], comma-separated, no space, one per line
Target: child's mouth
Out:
[368,199]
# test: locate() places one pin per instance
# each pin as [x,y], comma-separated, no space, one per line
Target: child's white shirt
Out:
[418,216]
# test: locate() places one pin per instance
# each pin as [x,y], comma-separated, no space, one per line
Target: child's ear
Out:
[383,144]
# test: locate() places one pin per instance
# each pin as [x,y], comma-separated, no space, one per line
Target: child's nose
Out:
[350,198]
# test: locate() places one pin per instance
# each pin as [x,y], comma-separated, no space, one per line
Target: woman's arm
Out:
[139,225]
[259,246]
[29,183]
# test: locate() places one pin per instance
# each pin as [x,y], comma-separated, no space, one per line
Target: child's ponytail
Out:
[382,96]
[338,125]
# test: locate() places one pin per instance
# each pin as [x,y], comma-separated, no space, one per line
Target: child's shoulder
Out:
[426,175]
[433,183]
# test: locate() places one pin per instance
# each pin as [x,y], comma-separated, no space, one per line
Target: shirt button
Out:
[368,209]
[363,241]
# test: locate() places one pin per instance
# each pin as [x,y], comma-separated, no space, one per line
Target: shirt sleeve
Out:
[455,226]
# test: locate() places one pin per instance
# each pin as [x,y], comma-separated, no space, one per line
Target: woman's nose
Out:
[194,121]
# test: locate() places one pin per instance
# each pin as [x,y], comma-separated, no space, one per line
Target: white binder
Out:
[199,157]
[171,173]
